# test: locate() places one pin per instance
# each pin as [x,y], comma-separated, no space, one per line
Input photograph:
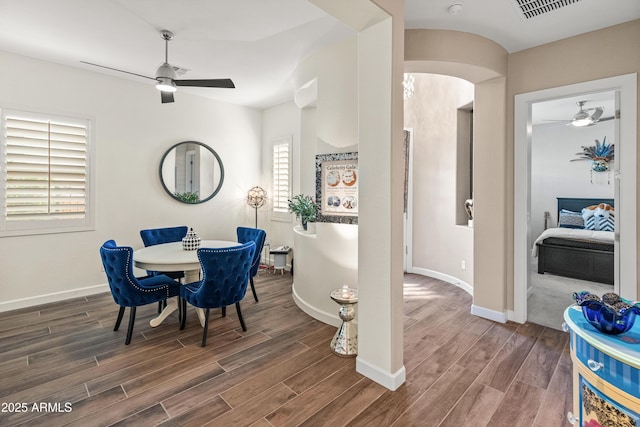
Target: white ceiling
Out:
[256,43]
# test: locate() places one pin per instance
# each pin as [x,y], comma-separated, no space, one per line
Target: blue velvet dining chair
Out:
[129,291]
[158,236]
[258,236]
[225,274]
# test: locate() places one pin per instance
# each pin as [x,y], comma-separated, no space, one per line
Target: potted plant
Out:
[303,207]
[188,197]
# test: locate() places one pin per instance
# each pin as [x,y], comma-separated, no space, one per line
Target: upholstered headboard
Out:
[576,205]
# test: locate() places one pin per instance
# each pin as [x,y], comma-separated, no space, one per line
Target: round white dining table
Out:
[172,257]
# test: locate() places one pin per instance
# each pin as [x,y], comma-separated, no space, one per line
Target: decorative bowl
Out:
[609,319]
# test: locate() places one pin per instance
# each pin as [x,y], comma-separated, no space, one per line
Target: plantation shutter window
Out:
[46,178]
[281,176]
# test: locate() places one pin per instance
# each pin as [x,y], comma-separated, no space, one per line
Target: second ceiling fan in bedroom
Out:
[167,82]
[588,116]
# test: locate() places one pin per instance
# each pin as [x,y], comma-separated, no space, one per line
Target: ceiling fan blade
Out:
[166,97]
[597,114]
[115,69]
[604,119]
[223,83]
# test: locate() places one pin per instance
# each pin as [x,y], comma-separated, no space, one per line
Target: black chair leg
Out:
[119,319]
[206,327]
[244,328]
[253,289]
[224,311]
[183,313]
[132,319]
[162,305]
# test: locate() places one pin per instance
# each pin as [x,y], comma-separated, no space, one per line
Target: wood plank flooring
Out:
[62,364]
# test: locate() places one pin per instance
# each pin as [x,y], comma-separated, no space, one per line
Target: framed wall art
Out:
[337,187]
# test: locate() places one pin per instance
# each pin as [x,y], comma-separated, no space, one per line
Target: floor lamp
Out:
[256,198]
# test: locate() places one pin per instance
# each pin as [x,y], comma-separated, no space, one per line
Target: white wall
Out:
[335,69]
[553,174]
[280,121]
[132,132]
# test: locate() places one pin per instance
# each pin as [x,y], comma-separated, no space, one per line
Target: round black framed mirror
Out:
[191,172]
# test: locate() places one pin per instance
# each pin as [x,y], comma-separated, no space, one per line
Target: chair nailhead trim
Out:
[134,282]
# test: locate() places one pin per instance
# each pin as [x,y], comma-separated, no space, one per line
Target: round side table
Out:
[345,341]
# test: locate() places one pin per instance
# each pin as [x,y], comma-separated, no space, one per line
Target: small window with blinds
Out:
[46,178]
[281,179]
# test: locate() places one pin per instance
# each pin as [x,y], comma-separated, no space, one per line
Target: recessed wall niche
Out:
[464,159]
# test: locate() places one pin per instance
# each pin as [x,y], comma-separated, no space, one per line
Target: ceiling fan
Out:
[166,75]
[584,118]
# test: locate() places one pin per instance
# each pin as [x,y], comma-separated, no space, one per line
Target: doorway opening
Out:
[563,186]
[623,177]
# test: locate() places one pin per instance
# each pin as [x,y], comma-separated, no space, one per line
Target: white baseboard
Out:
[445,278]
[386,379]
[321,315]
[496,316]
[52,297]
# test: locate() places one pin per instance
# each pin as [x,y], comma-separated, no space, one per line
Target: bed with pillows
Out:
[582,246]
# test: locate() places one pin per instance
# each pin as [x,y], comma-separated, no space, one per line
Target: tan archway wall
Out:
[483,63]
[465,55]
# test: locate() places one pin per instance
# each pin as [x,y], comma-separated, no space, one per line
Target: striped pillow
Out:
[600,223]
[605,223]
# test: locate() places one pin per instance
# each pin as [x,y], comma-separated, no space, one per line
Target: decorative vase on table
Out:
[191,241]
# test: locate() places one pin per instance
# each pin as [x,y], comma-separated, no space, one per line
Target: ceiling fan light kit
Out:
[581,121]
[166,85]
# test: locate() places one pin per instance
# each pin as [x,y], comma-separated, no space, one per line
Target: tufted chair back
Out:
[157,236]
[225,275]
[256,235]
[126,289]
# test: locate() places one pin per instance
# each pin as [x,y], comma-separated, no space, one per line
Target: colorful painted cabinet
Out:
[606,374]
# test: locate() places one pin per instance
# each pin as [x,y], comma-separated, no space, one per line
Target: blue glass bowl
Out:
[607,320]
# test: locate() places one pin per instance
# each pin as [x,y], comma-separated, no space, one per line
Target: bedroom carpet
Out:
[552,294]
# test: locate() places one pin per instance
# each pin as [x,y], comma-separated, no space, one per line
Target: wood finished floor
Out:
[462,370]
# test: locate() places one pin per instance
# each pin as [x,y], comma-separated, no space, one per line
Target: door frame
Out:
[408,216]
[626,218]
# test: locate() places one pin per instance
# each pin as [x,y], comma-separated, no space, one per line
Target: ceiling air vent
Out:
[533,8]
